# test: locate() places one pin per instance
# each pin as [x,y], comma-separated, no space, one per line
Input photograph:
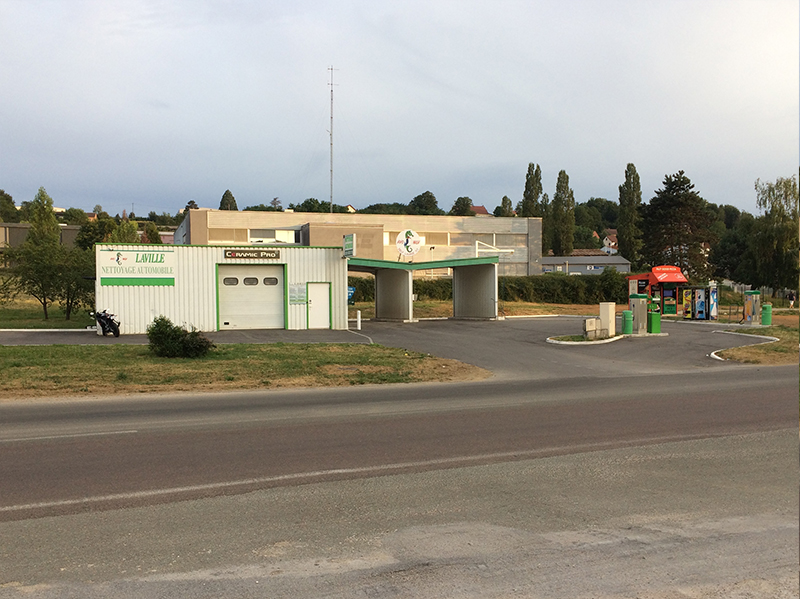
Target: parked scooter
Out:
[107,322]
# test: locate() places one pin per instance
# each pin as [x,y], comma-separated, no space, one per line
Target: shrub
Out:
[167,340]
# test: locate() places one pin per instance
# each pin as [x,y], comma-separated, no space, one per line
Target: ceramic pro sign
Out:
[408,243]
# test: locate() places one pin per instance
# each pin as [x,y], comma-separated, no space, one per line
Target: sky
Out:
[145,105]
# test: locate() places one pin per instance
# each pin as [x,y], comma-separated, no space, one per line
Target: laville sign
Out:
[131,267]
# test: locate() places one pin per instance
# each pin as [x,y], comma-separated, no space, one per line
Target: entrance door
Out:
[319,305]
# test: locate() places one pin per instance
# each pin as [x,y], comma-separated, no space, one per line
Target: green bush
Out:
[551,288]
[559,288]
[365,288]
[167,340]
[433,289]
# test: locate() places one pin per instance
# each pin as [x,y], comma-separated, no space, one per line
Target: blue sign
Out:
[351,291]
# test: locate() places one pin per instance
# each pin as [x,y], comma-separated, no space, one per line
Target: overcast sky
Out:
[152,103]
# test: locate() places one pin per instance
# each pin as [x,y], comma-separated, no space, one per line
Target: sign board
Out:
[137,267]
[351,292]
[408,243]
[265,254]
[349,245]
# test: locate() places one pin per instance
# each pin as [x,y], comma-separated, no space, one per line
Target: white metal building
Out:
[213,288]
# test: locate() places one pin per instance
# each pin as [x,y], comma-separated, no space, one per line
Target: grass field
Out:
[60,370]
[28,314]
[783,351]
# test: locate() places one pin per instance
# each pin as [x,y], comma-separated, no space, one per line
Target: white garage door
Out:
[251,296]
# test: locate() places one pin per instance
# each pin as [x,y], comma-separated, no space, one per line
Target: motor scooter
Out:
[107,322]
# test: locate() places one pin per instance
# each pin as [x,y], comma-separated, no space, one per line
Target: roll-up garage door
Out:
[251,296]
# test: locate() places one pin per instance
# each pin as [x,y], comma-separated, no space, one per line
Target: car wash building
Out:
[221,287]
[215,288]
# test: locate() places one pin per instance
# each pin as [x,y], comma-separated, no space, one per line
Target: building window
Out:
[270,281]
[250,281]
[230,281]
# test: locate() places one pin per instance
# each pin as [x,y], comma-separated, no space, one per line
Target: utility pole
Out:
[330,68]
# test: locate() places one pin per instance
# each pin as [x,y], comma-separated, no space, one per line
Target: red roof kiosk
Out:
[661,286]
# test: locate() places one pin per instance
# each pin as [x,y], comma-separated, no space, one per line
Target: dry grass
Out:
[28,372]
[782,352]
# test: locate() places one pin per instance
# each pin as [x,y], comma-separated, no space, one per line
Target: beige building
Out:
[516,241]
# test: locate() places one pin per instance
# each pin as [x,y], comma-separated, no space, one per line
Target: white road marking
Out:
[71,436]
[299,476]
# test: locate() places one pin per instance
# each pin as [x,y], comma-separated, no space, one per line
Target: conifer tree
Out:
[629,231]
[563,216]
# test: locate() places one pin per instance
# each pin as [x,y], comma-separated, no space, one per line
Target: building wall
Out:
[445,236]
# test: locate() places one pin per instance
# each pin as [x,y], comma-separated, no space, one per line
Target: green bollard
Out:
[627,322]
[766,315]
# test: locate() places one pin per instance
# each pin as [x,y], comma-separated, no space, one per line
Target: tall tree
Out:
[530,204]
[462,207]
[37,264]
[676,224]
[425,203]
[775,242]
[73,216]
[228,202]
[505,209]
[563,216]
[629,229]
[191,205]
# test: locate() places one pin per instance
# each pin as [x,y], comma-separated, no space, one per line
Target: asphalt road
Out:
[551,410]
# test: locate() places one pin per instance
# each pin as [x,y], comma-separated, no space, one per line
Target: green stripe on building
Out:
[136,282]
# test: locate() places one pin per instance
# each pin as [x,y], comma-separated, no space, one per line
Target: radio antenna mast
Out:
[331,69]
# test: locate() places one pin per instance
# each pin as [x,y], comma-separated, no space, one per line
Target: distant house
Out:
[610,243]
[481,211]
[350,209]
[584,262]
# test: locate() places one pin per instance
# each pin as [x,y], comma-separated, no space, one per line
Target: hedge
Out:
[552,288]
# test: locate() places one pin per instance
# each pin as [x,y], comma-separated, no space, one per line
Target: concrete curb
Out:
[769,339]
[597,342]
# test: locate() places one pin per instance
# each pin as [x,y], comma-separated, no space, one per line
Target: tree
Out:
[228,202]
[76,280]
[37,264]
[505,209]
[425,203]
[462,207]
[314,205]
[275,203]
[8,210]
[126,232]
[775,242]
[609,212]
[629,230]
[530,206]
[262,208]
[95,231]
[584,238]
[563,216]
[676,224]
[732,257]
[191,205]
[151,234]
[393,208]
[74,216]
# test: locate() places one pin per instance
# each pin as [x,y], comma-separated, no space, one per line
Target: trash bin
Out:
[766,315]
[654,322]
[627,322]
